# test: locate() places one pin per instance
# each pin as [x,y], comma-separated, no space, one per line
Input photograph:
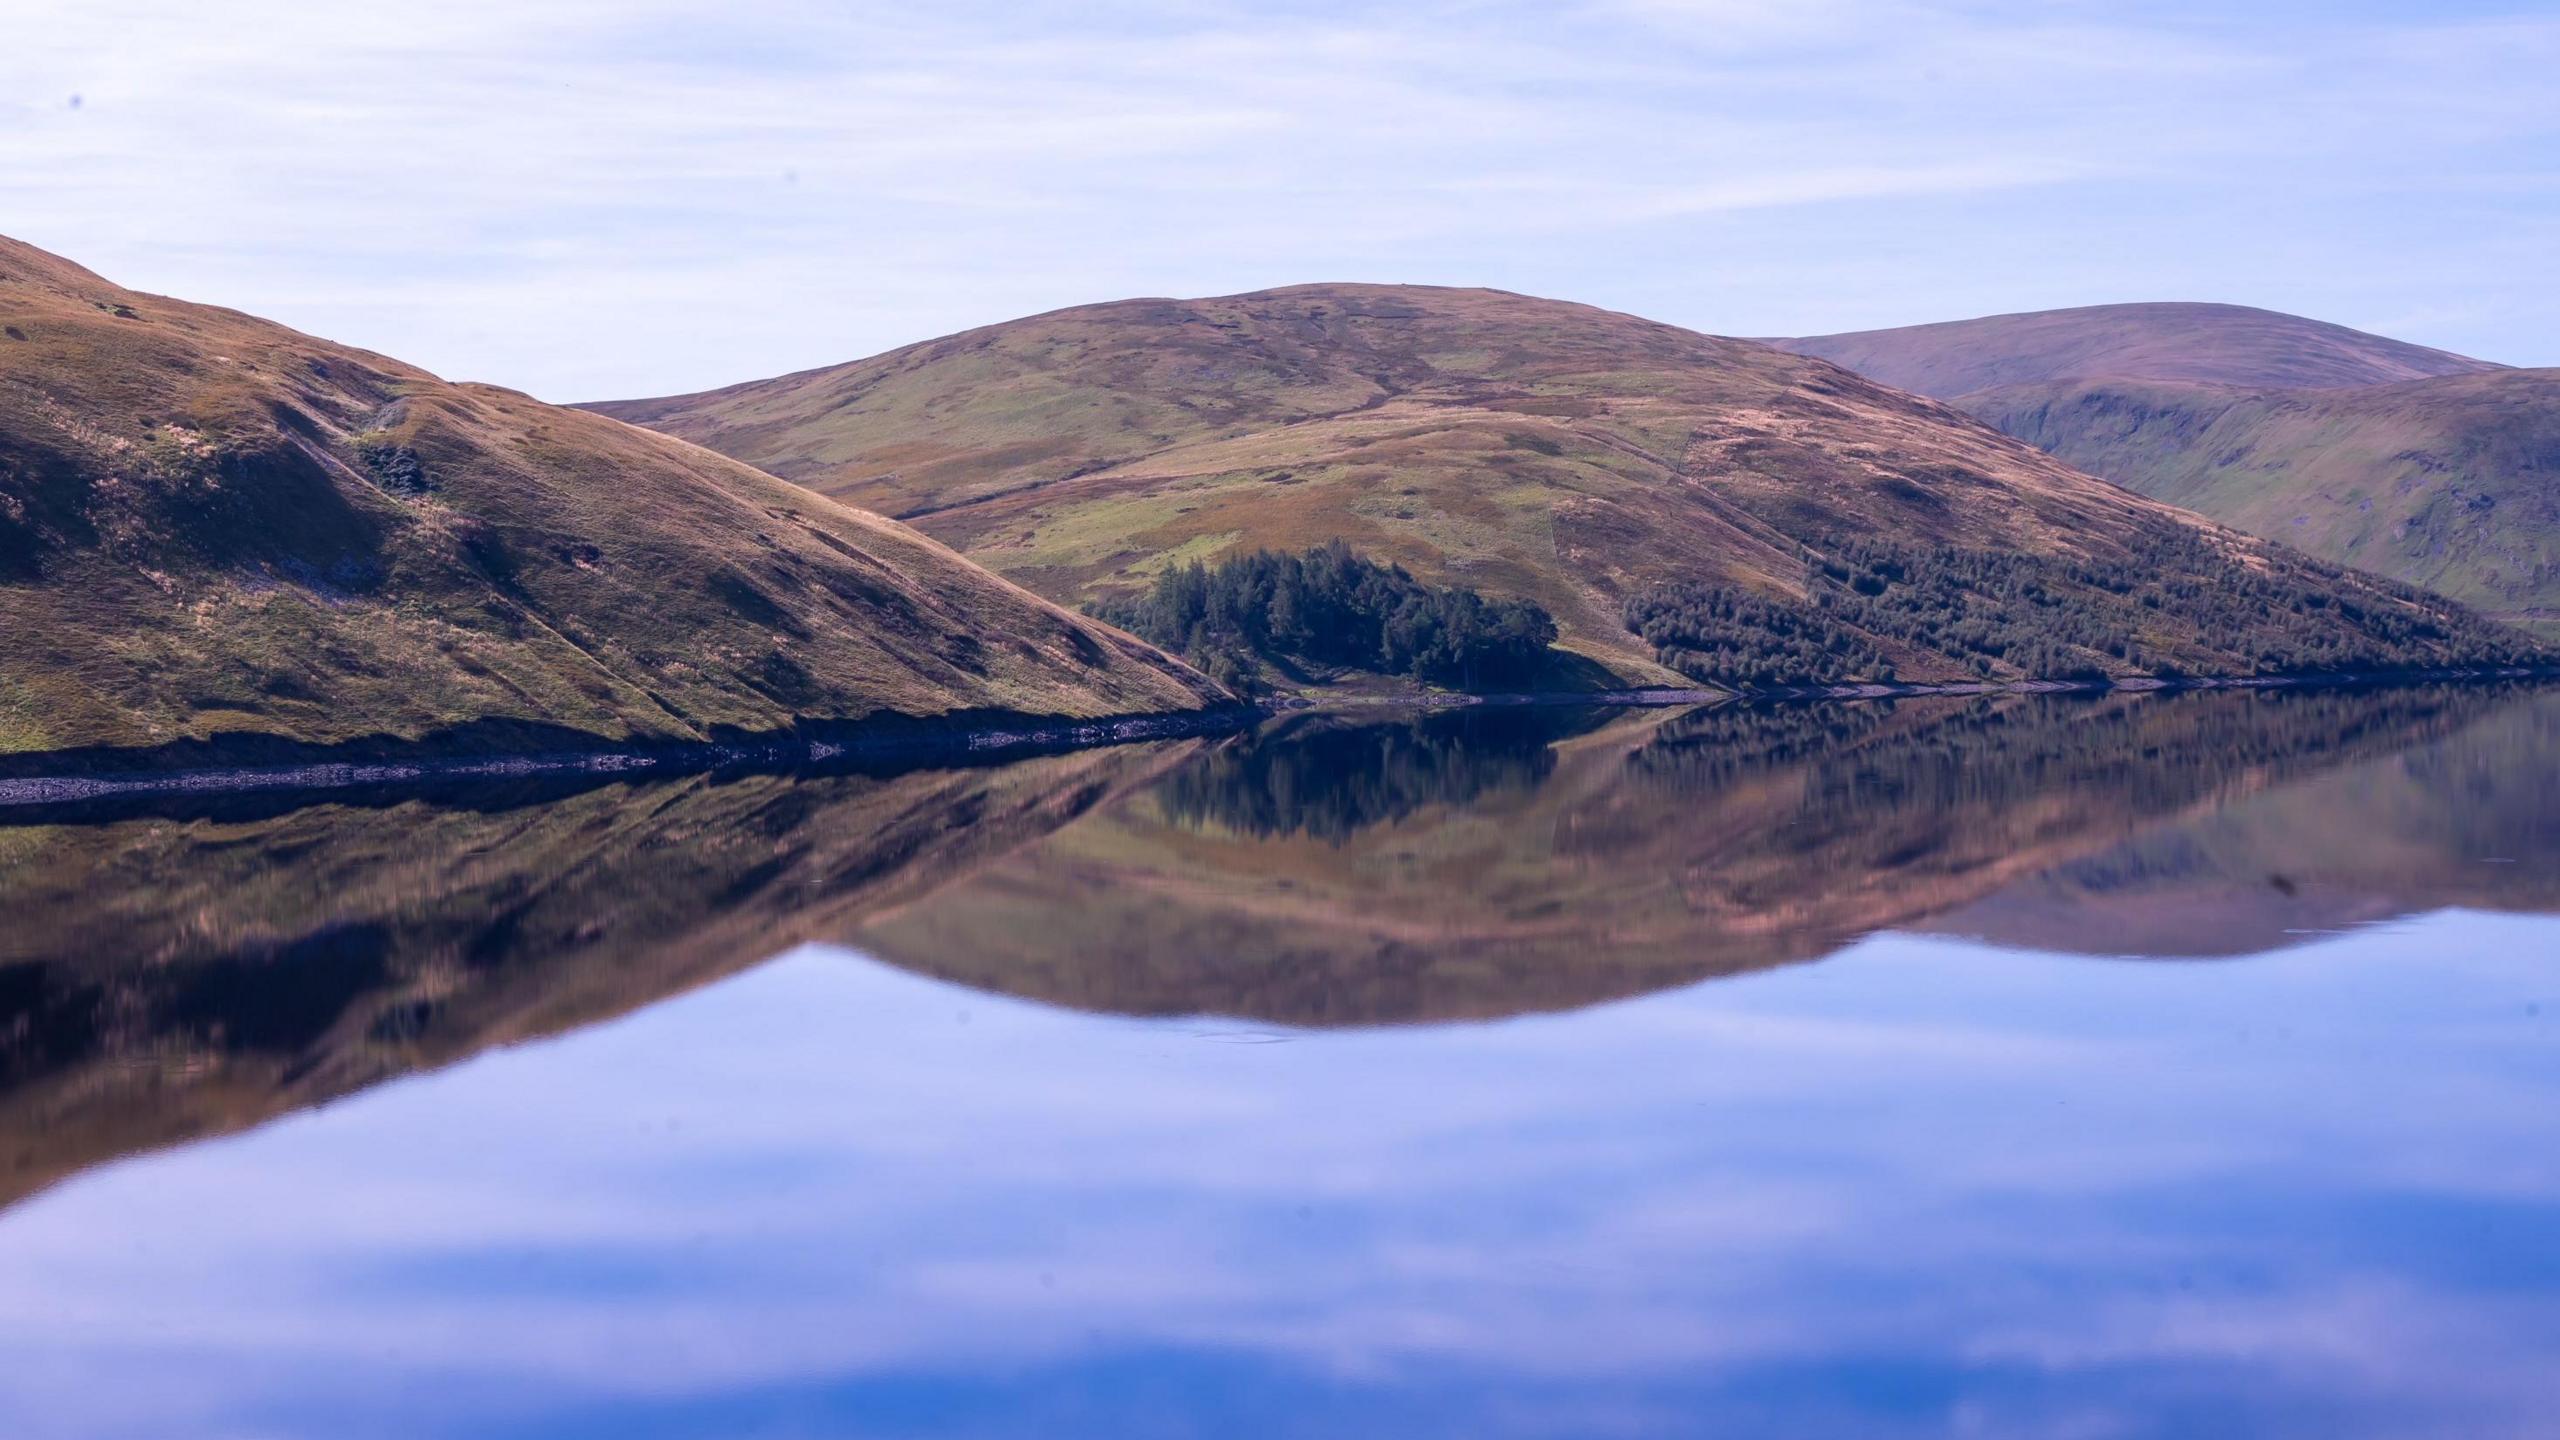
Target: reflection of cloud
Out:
[2051,1186]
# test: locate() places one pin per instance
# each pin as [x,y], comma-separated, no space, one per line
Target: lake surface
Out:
[2163,1066]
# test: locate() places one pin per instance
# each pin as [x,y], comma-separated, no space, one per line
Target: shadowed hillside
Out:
[1542,451]
[2452,484]
[2194,343]
[210,524]
[2432,469]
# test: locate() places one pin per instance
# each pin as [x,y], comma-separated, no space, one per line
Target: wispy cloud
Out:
[586,198]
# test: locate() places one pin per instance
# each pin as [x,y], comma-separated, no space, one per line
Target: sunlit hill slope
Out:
[210,524]
[1524,447]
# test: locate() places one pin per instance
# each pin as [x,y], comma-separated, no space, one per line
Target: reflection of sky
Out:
[1920,1189]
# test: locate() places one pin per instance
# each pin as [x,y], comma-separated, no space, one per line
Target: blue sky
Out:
[595,198]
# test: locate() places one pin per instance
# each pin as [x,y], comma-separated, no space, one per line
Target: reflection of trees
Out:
[1717,746]
[1330,780]
[2118,754]
[2471,820]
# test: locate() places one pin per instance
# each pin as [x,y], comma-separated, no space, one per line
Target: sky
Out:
[592,199]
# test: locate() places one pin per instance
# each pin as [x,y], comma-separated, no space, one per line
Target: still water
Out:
[2174,1066]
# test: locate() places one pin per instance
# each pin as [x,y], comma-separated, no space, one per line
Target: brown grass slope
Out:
[210,523]
[2180,341]
[1524,447]
[2452,484]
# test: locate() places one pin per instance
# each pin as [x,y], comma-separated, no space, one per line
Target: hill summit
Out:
[1727,510]
[2187,342]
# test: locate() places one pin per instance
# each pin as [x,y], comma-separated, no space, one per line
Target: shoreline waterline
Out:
[920,742]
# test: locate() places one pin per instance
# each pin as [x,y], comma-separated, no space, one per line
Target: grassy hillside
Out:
[2452,484]
[212,524]
[2200,344]
[1527,449]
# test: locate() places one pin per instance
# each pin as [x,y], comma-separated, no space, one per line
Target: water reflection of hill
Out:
[168,978]
[164,979]
[2471,821]
[1652,851]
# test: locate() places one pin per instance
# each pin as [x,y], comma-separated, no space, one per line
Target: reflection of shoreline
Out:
[85,786]
[121,784]
[1654,697]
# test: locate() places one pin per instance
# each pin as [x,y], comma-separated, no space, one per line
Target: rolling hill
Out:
[211,525]
[2430,468]
[2192,343]
[1540,450]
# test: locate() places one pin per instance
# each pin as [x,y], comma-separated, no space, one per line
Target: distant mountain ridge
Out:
[211,525]
[1547,451]
[2192,342]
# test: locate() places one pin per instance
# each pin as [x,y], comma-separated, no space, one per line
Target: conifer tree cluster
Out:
[1332,608]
